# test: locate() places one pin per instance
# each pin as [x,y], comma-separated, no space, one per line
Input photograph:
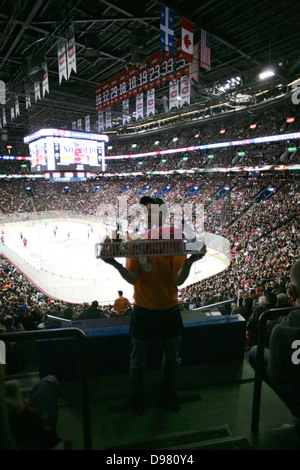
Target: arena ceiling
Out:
[246,37]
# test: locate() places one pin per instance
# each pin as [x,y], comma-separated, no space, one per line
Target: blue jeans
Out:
[44,399]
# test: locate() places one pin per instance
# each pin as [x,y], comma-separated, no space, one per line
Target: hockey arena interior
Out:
[82,137]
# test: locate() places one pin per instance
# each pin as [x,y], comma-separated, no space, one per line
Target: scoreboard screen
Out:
[61,150]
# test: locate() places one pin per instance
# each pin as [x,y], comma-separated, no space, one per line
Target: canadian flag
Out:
[187,40]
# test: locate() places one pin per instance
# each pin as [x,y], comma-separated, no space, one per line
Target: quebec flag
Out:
[166,28]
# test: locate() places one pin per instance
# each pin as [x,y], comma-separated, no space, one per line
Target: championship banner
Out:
[87,124]
[100,121]
[108,117]
[79,128]
[4,117]
[114,90]
[139,107]
[143,78]
[151,102]
[17,109]
[132,81]
[45,82]
[62,63]
[182,67]
[74,125]
[12,114]
[71,54]
[37,91]
[167,67]
[185,93]
[173,94]
[154,70]
[105,94]
[125,112]
[122,86]
[28,101]
[98,90]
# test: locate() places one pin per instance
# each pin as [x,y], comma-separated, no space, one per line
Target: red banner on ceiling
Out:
[122,86]
[167,67]
[105,94]
[114,97]
[99,98]
[143,77]
[132,81]
[154,70]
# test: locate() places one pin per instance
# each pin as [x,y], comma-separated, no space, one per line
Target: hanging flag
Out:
[17,109]
[167,67]
[143,77]
[151,102]
[71,53]
[79,125]
[99,98]
[12,114]
[108,117]
[100,121]
[187,40]
[194,67]
[45,83]
[105,94]
[74,125]
[166,28]
[87,124]
[154,70]
[114,98]
[139,107]
[185,87]
[62,64]
[173,94]
[28,102]
[37,91]
[125,112]
[2,92]
[4,116]
[123,86]
[182,66]
[132,80]
[205,56]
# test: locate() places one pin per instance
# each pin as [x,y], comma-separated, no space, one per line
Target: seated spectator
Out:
[246,308]
[92,312]
[29,425]
[282,358]
[269,301]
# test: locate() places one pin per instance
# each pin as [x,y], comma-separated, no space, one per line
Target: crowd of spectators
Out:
[264,236]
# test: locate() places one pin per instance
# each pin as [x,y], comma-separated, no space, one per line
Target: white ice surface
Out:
[81,277]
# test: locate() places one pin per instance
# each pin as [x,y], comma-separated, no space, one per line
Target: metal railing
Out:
[65,333]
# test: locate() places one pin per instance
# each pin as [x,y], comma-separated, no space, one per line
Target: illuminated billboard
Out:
[61,150]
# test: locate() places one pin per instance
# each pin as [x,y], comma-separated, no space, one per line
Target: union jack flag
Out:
[166,28]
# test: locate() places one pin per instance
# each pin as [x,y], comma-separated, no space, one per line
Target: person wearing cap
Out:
[155,312]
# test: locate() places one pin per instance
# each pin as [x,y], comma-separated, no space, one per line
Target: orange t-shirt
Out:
[120,305]
[156,290]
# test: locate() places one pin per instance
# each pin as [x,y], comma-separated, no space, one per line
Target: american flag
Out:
[166,28]
[205,57]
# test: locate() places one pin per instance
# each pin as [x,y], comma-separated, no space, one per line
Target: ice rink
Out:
[60,260]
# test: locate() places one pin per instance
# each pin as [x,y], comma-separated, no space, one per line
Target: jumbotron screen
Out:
[62,150]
